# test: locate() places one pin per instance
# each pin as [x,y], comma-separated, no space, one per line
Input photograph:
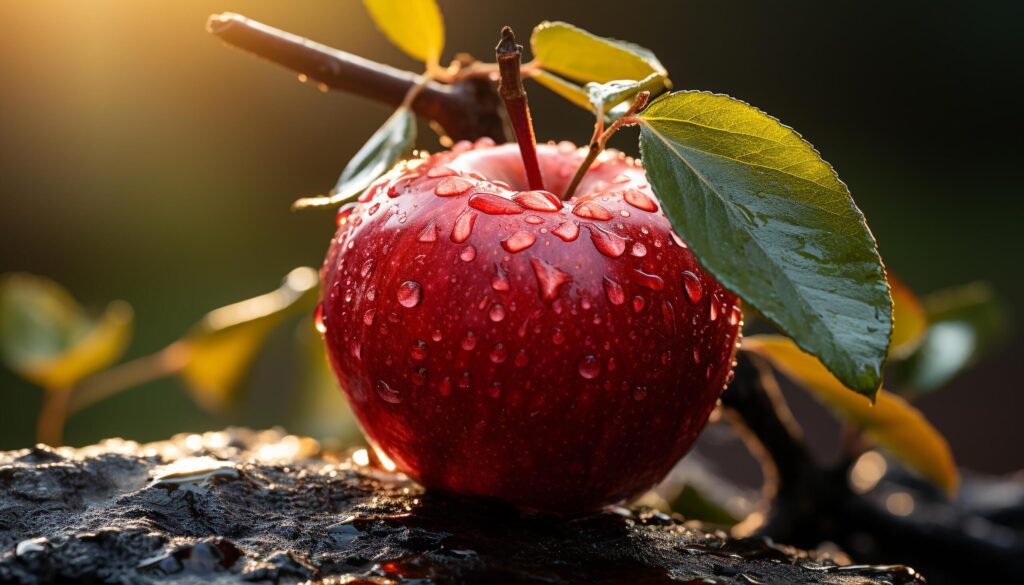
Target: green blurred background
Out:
[140,159]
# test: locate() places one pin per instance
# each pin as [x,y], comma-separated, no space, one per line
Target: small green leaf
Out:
[967,322]
[47,337]
[604,96]
[224,343]
[774,224]
[694,504]
[583,57]
[387,145]
[891,420]
[567,89]
[415,26]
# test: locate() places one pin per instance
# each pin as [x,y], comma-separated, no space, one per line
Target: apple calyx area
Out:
[496,341]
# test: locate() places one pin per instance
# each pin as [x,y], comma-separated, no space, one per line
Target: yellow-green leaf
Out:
[415,26]
[580,56]
[567,89]
[49,339]
[891,421]
[224,343]
[909,320]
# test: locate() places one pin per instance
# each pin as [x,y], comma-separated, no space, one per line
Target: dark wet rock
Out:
[245,506]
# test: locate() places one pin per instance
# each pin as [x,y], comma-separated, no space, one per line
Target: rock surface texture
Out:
[243,506]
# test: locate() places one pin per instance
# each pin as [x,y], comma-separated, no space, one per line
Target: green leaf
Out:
[224,343]
[49,339]
[774,224]
[694,504]
[891,420]
[580,56]
[604,96]
[567,89]
[966,322]
[415,26]
[387,145]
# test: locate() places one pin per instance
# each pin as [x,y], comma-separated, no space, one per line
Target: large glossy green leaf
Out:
[966,322]
[415,26]
[580,56]
[772,221]
[891,421]
[49,339]
[387,145]
[221,347]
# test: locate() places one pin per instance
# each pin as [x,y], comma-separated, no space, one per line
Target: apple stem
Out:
[600,140]
[510,88]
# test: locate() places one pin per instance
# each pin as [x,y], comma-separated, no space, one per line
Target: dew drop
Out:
[499,281]
[467,254]
[557,337]
[318,319]
[612,364]
[419,350]
[452,186]
[518,241]
[639,250]
[367,268]
[429,233]
[614,292]
[498,354]
[589,367]
[609,244]
[640,200]
[373,209]
[549,279]
[567,231]
[638,304]
[713,309]
[497,312]
[651,281]
[591,210]
[492,204]
[679,241]
[463,226]
[639,393]
[468,342]
[494,390]
[735,315]
[441,171]
[668,315]
[464,380]
[419,376]
[436,335]
[368,316]
[387,393]
[410,294]
[691,283]
[521,358]
[533,219]
[538,200]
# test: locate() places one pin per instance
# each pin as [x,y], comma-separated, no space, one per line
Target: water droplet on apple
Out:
[668,315]
[463,227]
[591,210]
[713,309]
[639,393]
[557,337]
[367,268]
[465,381]
[549,279]
[498,354]
[533,219]
[441,171]
[589,367]
[318,319]
[494,390]
[468,342]
[691,283]
[497,312]
[410,294]
[609,244]
[639,250]
[436,335]
[429,233]
[567,231]
[419,376]
[387,393]
[614,292]
[521,358]
[538,200]
[638,304]
[499,281]
[640,200]
[357,350]
[492,204]
[468,254]
[735,315]
[368,316]
[452,186]
[651,281]
[419,350]
[518,241]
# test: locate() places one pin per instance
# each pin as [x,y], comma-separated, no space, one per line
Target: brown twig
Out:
[601,138]
[467,109]
[510,88]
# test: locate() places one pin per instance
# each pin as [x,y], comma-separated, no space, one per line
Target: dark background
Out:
[141,159]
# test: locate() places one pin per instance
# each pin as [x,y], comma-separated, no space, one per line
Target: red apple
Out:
[495,341]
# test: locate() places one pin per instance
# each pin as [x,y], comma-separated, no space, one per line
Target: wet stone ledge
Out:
[247,506]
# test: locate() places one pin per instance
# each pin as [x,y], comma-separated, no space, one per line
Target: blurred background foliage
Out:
[140,160]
